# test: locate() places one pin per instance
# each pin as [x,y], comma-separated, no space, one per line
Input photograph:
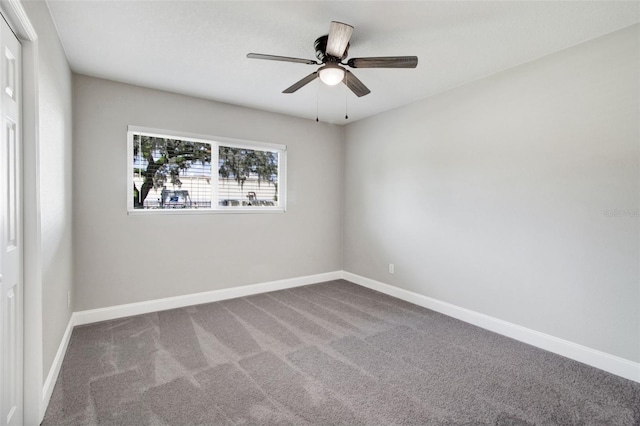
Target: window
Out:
[173,172]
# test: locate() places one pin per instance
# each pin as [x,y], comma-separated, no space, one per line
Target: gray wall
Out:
[124,258]
[55,153]
[493,196]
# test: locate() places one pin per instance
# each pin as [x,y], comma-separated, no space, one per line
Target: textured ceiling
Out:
[199,48]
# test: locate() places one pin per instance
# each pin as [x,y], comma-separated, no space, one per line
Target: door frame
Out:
[33,404]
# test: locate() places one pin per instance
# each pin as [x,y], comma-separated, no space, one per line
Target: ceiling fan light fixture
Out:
[331,74]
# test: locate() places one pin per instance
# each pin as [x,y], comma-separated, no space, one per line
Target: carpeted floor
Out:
[331,353]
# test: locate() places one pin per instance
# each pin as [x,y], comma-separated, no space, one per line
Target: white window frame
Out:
[216,142]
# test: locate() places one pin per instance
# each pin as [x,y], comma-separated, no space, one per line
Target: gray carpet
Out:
[331,353]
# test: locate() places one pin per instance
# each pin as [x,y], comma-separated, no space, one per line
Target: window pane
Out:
[171,173]
[247,177]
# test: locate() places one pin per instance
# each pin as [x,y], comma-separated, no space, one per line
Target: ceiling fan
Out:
[331,50]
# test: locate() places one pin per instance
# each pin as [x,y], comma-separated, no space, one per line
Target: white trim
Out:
[20,23]
[227,210]
[56,365]
[598,359]
[282,179]
[198,137]
[32,217]
[610,363]
[19,20]
[120,311]
[130,170]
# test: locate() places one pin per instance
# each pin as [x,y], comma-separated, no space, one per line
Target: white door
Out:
[11,299]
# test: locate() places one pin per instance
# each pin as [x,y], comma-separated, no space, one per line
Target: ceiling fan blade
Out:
[281,58]
[356,86]
[308,79]
[339,35]
[384,62]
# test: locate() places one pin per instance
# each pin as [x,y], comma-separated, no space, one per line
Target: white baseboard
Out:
[120,311]
[610,363]
[54,371]
[602,360]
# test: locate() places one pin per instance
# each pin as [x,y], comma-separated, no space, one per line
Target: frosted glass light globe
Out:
[331,75]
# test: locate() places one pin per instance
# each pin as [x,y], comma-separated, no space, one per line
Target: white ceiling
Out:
[199,48]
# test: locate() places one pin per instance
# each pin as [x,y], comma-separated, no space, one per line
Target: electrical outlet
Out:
[391,268]
[68,299]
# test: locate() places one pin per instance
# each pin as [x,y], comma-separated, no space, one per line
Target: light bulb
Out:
[331,75]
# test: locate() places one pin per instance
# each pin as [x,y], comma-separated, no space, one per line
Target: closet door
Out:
[11,284]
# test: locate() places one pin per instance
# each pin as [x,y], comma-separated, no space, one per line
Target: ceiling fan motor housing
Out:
[321,50]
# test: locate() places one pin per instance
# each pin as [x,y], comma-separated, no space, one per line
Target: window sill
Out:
[144,212]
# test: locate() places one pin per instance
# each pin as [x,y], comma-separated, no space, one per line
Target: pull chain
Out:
[346,96]
[317,97]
